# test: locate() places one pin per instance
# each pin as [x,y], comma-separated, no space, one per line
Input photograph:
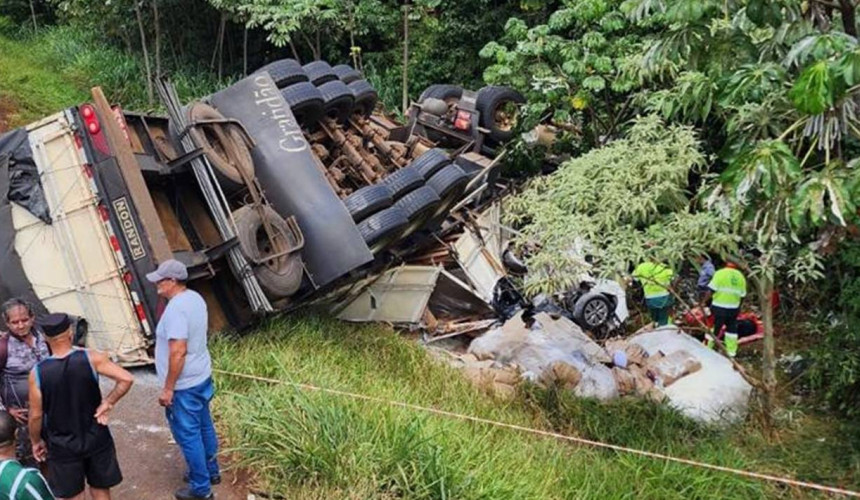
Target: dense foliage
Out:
[835,370]
[233,37]
[619,204]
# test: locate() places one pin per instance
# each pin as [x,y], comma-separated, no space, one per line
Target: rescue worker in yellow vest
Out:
[726,290]
[655,279]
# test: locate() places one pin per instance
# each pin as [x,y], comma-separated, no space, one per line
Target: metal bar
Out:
[216,201]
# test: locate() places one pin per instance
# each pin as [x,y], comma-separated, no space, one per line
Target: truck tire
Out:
[418,206]
[383,228]
[592,310]
[403,181]
[431,162]
[499,111]
[224,146]
[346,73]
[305,101]
[449,184]
[285,72]
[279,277]
[367,201]
[338,100]
[319,72]
[365,95]
[447,93]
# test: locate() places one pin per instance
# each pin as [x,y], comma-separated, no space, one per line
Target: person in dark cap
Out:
[68,416]
[185,372]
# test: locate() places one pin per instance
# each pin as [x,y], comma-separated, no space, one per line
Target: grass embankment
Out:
[312,445]
[42,73]
[30,86]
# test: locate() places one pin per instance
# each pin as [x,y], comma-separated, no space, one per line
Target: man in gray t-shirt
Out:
[185,372]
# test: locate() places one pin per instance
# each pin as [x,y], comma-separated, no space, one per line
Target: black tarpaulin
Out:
[24,186]
[13,281]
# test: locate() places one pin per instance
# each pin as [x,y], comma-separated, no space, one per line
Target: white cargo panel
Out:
[72,263]
[398,296]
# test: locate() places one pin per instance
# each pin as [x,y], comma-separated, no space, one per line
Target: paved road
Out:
[151,462]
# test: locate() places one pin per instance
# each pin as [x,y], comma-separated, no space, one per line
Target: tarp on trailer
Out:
[292,182]
[19,183]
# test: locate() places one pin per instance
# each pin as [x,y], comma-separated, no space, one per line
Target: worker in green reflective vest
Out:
[656,279]
[725,291]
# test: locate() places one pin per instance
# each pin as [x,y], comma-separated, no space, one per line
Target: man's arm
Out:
[707,298]
[176,362]
[122,383]
[40,452]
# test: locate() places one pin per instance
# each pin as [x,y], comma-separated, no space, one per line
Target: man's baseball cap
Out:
[55,324]
[169,269]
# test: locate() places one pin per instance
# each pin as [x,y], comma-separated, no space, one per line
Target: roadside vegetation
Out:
[305,444]
[761,98]
[46,71]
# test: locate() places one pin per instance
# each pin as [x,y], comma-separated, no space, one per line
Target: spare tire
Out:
[499,108]
[346,73]
[449,184]
[338,100]
[447,93]
[365,95]
[418,206]
[403,181]
[383,228]
[367,201]
[224,146]
[431,162]
[285,72]
[319,72]
[279,277]
[306,102]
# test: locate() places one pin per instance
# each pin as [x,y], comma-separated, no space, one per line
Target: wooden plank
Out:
[175,234]
[201,220]
[133,178]
[217,318]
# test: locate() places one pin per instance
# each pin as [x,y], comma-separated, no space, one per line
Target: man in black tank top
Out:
[68,417]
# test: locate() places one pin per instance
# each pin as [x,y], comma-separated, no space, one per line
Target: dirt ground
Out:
[6,110]
[151,462]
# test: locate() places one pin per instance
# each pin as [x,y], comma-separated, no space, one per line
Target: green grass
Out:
[311,445]
[45,72]
[30,85]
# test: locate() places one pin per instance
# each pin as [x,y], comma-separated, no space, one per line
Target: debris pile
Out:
[664,365]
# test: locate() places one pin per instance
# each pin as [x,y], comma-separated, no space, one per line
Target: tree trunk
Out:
[310,46]
[295,52]
[245,52]
[33,13]
[352,50]
[318,46]
[145,53]
[218,38]
[768,369]
[221,45]
[405,58]
[157,38]
[849,19]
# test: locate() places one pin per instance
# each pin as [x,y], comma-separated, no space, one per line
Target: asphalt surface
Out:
[152,464]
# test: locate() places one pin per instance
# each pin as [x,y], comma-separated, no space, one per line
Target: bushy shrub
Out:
[835,369]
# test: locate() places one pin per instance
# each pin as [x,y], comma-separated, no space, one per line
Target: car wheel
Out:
[593,310]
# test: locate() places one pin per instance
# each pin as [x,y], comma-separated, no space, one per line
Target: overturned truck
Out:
[287,188]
